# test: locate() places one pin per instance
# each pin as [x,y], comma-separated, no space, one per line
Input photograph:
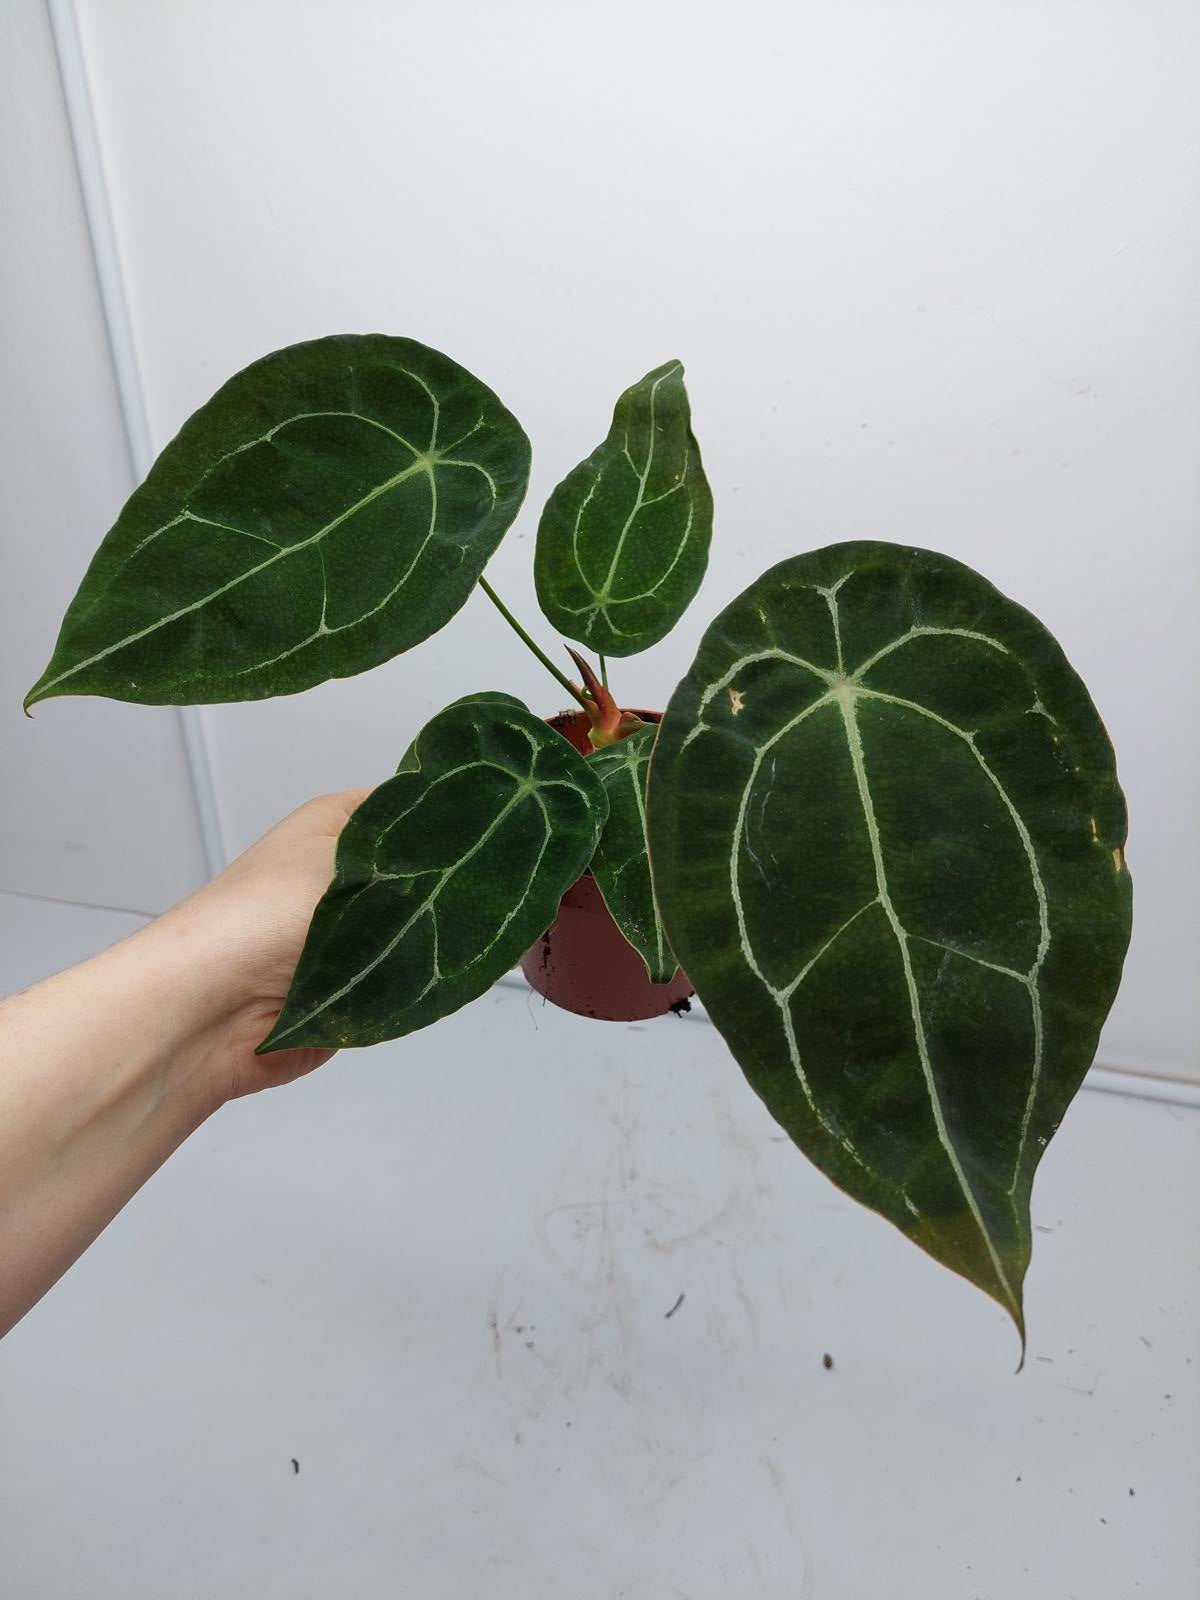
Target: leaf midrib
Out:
[602,596]
[251,572]
[427,460]
[847,702]
[845,689]
[527,788]
[629,759]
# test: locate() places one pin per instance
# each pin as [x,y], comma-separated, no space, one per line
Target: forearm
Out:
[104,1071]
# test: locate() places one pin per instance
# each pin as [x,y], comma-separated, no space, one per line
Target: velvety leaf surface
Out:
[888,840]
[621,865]
[623,541]
[444,876]
[331,506]
[410,760]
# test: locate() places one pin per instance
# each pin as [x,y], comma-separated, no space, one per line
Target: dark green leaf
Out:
[621,865]
[409,761]
[888,850]
[331,506]
[445,875]
[623,541]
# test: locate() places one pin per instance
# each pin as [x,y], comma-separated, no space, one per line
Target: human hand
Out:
[245,930]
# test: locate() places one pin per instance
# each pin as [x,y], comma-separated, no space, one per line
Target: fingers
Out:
[329,813]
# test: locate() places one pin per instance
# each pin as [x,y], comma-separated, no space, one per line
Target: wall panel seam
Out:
[110,279]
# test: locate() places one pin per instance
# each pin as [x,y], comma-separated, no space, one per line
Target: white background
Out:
[931,267]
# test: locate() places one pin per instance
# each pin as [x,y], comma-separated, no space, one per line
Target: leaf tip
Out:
[35,694]
[1017,1311]
[271,1043]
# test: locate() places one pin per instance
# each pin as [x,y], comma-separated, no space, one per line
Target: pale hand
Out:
[248,927]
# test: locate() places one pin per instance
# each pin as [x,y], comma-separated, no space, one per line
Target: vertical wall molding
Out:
[89,163]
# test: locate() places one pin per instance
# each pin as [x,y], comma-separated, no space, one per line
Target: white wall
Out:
[95,802]
[928,265]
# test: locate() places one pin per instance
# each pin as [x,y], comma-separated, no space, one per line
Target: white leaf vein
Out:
[846,690]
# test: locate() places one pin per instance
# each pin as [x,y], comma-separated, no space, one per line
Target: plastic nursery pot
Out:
[582,962]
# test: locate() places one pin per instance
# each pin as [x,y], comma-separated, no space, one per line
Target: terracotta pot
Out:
[583,962]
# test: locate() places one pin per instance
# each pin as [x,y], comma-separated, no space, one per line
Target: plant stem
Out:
[604,672]
[572,689]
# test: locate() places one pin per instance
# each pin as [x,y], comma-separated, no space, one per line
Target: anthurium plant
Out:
[878,826]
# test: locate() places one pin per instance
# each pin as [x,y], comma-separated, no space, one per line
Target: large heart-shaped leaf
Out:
[621,864]
[331,506]
[888,842]
[623,541]
[444,876]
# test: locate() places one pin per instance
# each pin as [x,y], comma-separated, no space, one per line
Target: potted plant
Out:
[878,826]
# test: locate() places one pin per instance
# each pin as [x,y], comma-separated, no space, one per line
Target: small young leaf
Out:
[887,840]
[330,507]
[445,875]
[621,865]
[623,541]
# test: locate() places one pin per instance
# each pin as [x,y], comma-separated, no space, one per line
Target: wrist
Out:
[174,986]
[221,964]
